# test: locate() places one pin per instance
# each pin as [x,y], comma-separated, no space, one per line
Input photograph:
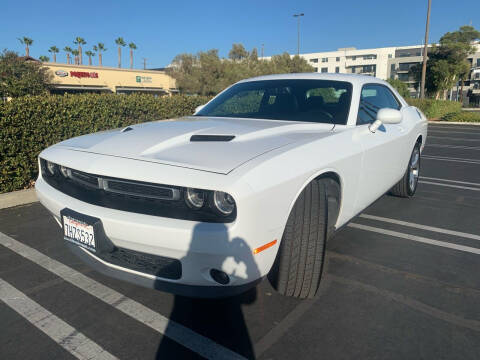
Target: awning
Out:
[140,89]
[81,87]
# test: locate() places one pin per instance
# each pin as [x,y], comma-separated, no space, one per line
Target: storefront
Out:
[81,78]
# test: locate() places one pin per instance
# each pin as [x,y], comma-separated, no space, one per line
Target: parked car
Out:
[252,185]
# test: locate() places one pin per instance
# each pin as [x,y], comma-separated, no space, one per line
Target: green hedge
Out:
[30,124]
[463,116]
[436,109]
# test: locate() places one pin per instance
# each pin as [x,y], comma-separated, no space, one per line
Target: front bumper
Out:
[199,247]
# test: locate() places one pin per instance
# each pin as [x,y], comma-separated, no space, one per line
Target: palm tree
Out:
[120,42]
[68,50]
[99,48]
[75,53]
[27,42]
[90,54]
[54,50]
[79,41]
[132,47]
[44,58]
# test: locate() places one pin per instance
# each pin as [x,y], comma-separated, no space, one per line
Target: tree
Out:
[68,51]
[44,58]
[207,74]
[121,43]
[237,52]
[80,41]
[100,47]
[400,86]
[132,47]
[19,77]
[76,53]
[27,42]
[447,63]
[90,54]
[54,51]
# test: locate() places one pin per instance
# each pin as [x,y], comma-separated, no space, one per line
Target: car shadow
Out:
[219,319]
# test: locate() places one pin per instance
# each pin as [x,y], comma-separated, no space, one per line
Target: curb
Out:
[16,198]
[454,123]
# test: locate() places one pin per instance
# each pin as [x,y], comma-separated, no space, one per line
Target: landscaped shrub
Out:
[463,116]
[435,109]
[30,124]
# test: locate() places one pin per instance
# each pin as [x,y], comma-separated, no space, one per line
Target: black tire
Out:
[407,186]
[298,266]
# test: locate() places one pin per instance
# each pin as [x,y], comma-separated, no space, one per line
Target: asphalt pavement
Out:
[401,281]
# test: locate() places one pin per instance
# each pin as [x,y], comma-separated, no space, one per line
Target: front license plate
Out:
[78,232]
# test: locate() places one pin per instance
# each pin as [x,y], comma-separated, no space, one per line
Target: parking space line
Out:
[420,239]
[444,158]
[450,138]
[177,332]
[449,185]
[453,132]
[63,334]
[420,226]
[447,180]
[460,147]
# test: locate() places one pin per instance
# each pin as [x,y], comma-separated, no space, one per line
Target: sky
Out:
[163,29]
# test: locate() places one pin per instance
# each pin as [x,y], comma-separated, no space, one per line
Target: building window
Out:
[403,77]
[390,56]
[392,68]
[314,60]
[337,69]
[315,69]
[369,57]
[478,62]
[338,58]
[324,70]
[353,69]
[324,60]
[354,58]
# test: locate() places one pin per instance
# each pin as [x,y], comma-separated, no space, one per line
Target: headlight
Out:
[195,198]
[65,171]
[51,167]
[223,202]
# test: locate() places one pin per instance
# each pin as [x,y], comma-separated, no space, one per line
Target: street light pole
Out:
[298,30]
[425,53]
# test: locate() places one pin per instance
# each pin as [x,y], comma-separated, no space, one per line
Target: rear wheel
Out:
[407,186]
[298,267]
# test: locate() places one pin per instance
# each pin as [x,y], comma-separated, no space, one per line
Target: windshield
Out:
[322,101]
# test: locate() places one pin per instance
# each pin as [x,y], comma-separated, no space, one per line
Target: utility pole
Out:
[298,30]
[144,63]
[425,53]
[262,50]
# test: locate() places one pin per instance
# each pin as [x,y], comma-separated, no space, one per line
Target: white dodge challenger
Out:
[252,185]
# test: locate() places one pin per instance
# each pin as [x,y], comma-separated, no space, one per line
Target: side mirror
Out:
[386,116]
[198,108]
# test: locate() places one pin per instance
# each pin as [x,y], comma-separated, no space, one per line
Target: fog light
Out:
[219,276]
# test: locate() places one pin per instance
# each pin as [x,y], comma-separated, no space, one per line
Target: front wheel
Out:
[298,267]
[407,186]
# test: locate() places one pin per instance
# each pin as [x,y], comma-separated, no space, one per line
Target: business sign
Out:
[143,79]
[61,73]
[84,74]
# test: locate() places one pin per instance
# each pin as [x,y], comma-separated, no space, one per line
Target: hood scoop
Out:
[212,138]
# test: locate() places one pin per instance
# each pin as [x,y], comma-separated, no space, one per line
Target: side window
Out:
[373,98]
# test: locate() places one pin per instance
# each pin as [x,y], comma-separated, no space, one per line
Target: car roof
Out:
[352,78]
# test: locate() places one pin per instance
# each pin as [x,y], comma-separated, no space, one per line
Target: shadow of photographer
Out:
[219,319]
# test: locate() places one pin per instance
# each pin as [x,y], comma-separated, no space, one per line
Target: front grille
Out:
[128,195]
[146,263]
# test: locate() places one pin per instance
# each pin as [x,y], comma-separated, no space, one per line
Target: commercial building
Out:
[69,78]
[390,63]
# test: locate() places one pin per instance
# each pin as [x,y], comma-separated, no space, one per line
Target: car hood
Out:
[170,141]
